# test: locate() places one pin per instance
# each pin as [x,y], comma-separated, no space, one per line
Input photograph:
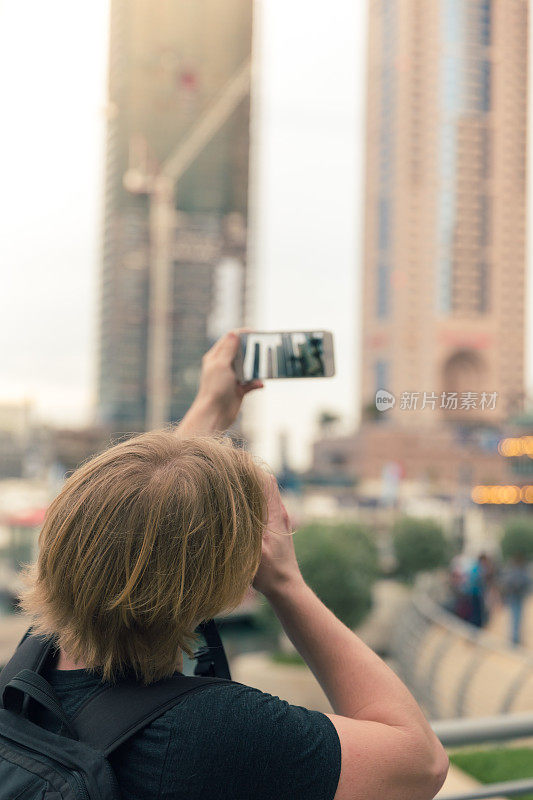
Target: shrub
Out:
[517,539]
[419,545]
[339,562]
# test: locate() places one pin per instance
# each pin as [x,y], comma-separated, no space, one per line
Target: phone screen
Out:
[295,354]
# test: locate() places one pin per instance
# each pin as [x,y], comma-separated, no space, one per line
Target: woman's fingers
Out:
[249,387]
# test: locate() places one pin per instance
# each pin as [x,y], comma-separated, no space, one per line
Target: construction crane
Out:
[162,187]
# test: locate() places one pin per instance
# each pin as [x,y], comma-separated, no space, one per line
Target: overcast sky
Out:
[307,192]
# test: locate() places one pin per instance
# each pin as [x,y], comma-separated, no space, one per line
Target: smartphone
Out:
[284,354]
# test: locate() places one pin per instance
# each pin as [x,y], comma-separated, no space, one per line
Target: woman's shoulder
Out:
[271,738]
[254,717]
[221,699]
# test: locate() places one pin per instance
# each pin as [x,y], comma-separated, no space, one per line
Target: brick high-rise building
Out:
[175,198]
[445,257]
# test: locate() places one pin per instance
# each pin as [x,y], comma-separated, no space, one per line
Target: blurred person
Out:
[492,582]
[480,578]
[515,585]
[458,580]
[168,529]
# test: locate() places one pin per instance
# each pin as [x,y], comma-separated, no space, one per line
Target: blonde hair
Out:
[145,541]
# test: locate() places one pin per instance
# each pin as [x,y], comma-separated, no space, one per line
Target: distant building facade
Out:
[442,463]
[176,196]
[445,247]
[443,304]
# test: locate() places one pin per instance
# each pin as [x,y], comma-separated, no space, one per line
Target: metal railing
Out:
[457,732]
[453,669]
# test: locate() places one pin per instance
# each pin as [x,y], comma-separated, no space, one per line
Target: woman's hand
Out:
[219,397]
[279,567]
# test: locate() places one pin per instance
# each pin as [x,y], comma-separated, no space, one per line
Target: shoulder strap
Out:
[31,653]
[115,713]
[31,684]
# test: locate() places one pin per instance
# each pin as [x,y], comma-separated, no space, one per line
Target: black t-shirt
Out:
[229,742]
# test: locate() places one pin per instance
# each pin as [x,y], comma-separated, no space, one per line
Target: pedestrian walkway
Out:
[455,670]
[500,624]
[295,683]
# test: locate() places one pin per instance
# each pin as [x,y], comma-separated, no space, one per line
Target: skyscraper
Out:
[175,199]
[445,259]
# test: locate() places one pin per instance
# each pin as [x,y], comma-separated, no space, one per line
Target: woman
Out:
[168,529]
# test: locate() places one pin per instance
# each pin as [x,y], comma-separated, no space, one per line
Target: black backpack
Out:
[36,764]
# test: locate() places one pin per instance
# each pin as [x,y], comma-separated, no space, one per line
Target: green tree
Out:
[339,562]
[517,538]
[419,545]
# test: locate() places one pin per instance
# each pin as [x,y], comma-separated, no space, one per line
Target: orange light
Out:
[502,495]
[503,447]
[526,494]
[527,445]
[511,495]
[510,447]
[496,493]
[481,494]
[514,447]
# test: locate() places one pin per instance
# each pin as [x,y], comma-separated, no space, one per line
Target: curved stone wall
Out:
[456,671]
